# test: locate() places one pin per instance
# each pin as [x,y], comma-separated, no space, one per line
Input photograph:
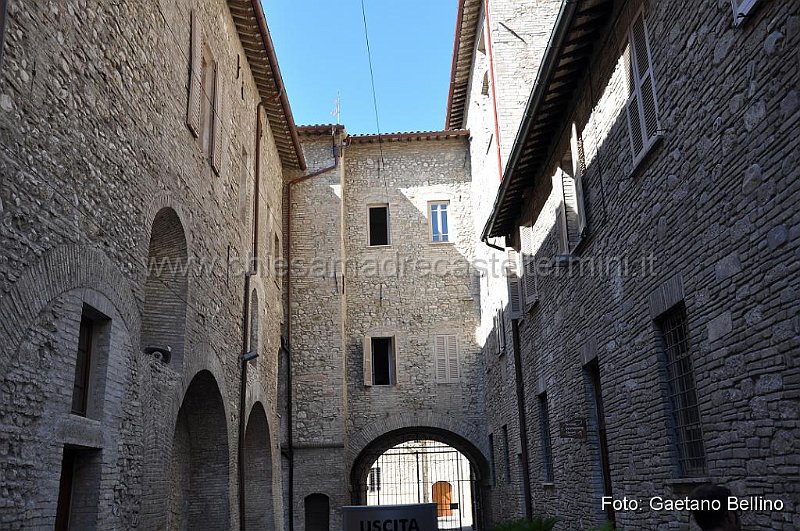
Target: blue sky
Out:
[321,49]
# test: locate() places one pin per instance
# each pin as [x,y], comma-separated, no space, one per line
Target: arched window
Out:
[166,287]
[442,495]
[318,510]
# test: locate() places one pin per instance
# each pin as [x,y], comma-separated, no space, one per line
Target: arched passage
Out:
[405,447]
[166,287]
[259,512]
[199,463]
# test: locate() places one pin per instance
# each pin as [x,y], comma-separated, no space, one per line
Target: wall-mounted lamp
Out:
[161,354]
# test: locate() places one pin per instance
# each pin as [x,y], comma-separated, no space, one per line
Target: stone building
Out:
[649,205]
[382,309]
[593,337]
[143,147]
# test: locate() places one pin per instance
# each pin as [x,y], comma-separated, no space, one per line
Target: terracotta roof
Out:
[319,129]
[257,43]
[469,12]
[579,27]
[408,136]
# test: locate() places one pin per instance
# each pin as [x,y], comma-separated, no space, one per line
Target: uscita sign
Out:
[421,517]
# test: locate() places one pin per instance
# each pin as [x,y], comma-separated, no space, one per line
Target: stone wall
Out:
[707,220]
[93,102]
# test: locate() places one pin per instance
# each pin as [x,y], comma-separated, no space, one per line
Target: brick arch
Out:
[158,203]
[63,269]
[166,286]
[258,471]
[366,445]
[200,470]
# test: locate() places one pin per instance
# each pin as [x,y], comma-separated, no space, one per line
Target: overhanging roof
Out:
[580,24]
[257,43]
[469,12]
[408,136]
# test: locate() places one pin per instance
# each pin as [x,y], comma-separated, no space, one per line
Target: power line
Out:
[374,99]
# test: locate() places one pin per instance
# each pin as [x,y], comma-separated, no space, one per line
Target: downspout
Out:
[494,90]
[523,420]
[253,269]
[287,344]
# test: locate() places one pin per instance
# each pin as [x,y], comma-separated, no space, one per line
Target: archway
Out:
[166,287]
[199,463]
[412,465]
[259,513]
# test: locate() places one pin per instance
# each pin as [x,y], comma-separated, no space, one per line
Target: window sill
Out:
[450,242]
[639,162]
[548,485]
[688,481]
[379,247]
[530,306]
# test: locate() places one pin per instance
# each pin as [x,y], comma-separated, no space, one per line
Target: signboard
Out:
[420,517]
[573,429]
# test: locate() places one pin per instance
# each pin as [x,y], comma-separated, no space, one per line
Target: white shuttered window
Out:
[446,359]
[642,105]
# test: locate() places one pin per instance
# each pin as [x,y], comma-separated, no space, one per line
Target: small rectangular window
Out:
[547,449]
[83,366]
[687,430]
[440,230]
[79,489]
[383,362]
[208,86]
[379,225]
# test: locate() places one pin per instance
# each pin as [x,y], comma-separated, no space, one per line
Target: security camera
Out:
[161,354]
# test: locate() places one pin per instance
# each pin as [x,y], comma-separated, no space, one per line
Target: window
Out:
[592,373]
[642,106]
[439,226]
[500,331]
[516,295]
[571,214]
[442,496]
[208,88]
[204,100]
[379,361]
[379,225]
[506,455]
[530,282]
[492,467]
[276,256]
[687,431]
[446,359]
[485,84]
[91,359]
[374,479]
[742,9]
[547,449]
[83,361]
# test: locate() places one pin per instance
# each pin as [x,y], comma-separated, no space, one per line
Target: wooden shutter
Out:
[440,358]
[217,148]
[453,368]
[516,296]
[529,281]
[578,163]
[195,75]
[642,106]
[571,219]
[367,361]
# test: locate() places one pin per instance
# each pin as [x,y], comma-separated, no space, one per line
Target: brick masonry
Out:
[94,145]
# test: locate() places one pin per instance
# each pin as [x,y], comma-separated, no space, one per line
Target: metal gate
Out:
[425,472]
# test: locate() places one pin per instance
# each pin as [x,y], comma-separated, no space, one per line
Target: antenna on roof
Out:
[337,108]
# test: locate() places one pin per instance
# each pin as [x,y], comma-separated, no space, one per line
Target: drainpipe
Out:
[523,421]
[287,344]
[253,269]
[494,89]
